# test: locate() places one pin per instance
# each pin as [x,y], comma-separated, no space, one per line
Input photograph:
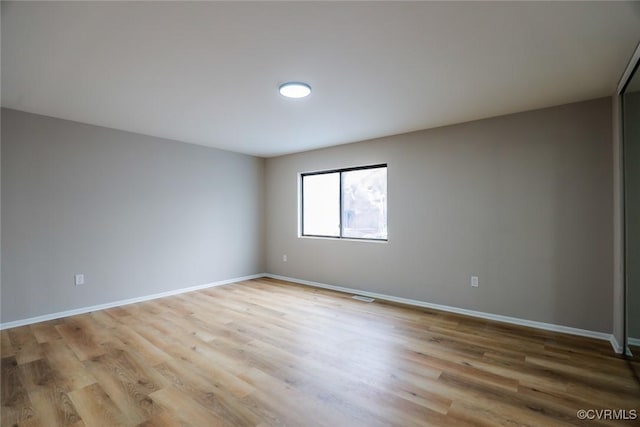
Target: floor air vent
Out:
[361,298]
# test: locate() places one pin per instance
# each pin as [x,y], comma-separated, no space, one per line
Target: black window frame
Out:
[340,172]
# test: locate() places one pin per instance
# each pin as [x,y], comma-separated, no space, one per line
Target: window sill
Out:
[347,239]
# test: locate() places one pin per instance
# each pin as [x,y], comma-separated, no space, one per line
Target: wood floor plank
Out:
[96,407]
[187,410]
[266,352]
[54,408]
[5,344]
[81,336]
[25,345]
[208,392]
[37,375]
[15,406]
[163,419]
[138,344]
[72,375]
[128,382]
[45,331]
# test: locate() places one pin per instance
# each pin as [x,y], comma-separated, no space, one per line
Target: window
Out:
[345,203]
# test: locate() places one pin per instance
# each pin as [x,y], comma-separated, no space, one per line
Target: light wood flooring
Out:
[270,353]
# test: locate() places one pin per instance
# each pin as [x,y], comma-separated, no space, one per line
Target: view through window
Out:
[345,203]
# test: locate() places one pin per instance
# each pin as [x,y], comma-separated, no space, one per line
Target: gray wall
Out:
[524,201]
[0,218]
[632,208]
[137,215]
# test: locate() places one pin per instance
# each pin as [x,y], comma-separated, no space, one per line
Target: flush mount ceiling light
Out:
[295,89]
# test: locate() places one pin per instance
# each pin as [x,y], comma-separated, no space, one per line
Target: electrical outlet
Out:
[79,279]
[474,281]
[284,258]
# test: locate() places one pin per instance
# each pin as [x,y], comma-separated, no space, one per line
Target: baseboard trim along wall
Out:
[617,347]
[479,314]
[67,313]
[634,341]
[506,319]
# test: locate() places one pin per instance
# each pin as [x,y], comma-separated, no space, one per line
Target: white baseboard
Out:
[634,341]
[615,344]
[497,317]
[67,313]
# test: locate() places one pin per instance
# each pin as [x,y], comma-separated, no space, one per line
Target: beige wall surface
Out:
[136,215]
[523,201]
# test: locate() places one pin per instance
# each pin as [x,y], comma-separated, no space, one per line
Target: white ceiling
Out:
[208,72]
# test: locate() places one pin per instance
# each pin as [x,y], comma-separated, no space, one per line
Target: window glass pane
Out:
[364,199]
[321,204]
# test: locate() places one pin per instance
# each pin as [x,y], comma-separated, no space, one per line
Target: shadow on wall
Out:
[632,211]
